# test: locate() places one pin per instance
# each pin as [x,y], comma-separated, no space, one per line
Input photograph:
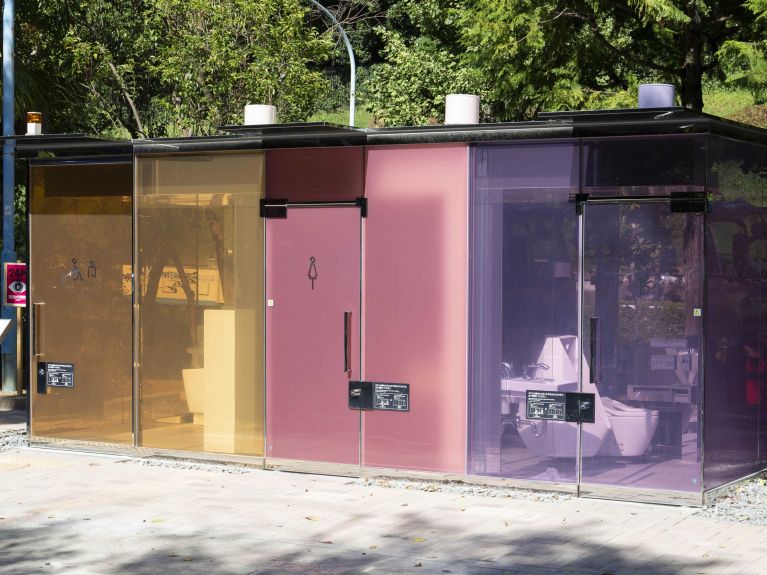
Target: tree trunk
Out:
[692,74]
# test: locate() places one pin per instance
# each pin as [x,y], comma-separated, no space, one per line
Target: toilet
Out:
[618,430]
[632,428]
[194,389]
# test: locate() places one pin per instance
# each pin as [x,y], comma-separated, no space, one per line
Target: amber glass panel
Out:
[80,253]
[200,271]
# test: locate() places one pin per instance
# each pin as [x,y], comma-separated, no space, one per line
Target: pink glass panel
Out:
[306,386]
[416,304]
[307,174]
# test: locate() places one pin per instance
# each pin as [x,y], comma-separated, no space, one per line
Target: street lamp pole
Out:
[352,64]
[9,350]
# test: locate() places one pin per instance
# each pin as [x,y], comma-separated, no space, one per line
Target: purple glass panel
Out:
[642,307]
[668,164]
[523,307]
[736,337]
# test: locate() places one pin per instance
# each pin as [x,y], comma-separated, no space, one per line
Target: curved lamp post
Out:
[352,65]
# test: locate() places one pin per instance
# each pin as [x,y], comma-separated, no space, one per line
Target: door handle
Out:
[348,342]
[38,315]
[593,355]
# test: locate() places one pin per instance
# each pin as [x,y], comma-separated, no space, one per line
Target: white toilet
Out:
[632,427]
[618,429]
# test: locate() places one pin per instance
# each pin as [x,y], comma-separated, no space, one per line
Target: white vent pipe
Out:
[260,114]
[461,109]
[657,96]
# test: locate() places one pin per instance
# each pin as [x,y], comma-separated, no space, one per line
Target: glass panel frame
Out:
[643,308]
[735,432]
[314,281]
[199,321]
[80,241]
[523,258]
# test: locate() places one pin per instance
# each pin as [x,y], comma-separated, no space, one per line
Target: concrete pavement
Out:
[65,512]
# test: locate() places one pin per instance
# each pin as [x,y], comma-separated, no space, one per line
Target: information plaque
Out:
[560,406]
[369,395]
[51,374]
[546,405]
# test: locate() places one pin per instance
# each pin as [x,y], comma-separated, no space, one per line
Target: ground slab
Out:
[65,512]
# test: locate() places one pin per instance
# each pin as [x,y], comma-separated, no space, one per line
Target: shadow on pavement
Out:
[413,545]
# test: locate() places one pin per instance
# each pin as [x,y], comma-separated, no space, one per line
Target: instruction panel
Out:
[56,374]
[546,405]
[368,395]
[391,396]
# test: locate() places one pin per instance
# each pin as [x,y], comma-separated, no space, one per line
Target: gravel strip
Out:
[13,439]
[459,488]
[742,503]
[188,465]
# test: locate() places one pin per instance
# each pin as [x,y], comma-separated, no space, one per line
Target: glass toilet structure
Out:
[574,303]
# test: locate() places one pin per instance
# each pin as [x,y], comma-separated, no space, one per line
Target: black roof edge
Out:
[577,115]
[467,133]
[28,147]
[588,123]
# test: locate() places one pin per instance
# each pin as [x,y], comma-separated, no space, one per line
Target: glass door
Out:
[313,334]
[80,271]
[641,340]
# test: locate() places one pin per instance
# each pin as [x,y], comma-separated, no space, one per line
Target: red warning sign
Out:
[15,275]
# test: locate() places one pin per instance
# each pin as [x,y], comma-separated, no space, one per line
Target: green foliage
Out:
[725,100]
[164,67]
[410,87]
[214,57]
[555,54]
[169,67]
[744,61]
[745,65]
[659,10]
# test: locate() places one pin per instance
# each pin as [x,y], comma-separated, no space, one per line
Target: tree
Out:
[539,54]
[745,62]
[419,63]
[164,67]
[214,57]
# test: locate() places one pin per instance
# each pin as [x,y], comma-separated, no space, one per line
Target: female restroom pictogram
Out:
[312,270]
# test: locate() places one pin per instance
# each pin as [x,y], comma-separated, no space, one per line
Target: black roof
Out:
[567,124]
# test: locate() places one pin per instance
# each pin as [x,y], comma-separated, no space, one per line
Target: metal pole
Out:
[9,247]
[352,64]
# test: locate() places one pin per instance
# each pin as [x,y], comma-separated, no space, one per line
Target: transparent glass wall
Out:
[200,275]
[524,307]
[642,286]
[644,165]
[736,332]
[80,258]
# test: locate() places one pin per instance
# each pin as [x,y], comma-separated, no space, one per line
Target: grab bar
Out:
[39,326]
[348,342]
[593,355]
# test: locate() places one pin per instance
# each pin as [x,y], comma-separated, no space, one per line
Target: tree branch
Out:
[124,88]
[592,24]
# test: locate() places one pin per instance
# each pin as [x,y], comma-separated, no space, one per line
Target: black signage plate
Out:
[580,407]
[50,374]
[545,404]
[560,406]
[391,396]
[360,395]
[380,396]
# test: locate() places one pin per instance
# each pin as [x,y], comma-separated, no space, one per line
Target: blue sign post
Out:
[9,246]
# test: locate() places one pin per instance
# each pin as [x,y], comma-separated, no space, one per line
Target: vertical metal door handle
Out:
[38,315]
[347,341]
[593,355]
